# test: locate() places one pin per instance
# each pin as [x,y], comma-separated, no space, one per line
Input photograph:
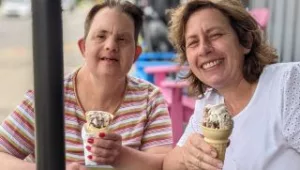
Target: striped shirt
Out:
[142,120]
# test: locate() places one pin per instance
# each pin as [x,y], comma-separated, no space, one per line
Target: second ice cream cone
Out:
[218,138]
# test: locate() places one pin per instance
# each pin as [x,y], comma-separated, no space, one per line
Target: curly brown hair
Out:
[245,26]
[125,6]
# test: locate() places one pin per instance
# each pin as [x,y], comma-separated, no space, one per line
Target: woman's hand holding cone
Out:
[105,149]
[197,154]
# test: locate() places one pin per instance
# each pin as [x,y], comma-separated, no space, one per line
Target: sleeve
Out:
[194,123]
[187,132]
[17,130]
[158,129]
[291,106]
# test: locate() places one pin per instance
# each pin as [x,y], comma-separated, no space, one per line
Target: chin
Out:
[216,83]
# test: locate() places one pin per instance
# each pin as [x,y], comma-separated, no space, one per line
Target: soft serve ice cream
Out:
[217,117]
[216,127]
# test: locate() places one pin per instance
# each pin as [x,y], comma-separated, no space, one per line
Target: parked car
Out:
[68,5]
[20,8]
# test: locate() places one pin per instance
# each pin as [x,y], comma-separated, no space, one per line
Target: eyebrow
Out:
[119,33]
[214,28]
[206,31]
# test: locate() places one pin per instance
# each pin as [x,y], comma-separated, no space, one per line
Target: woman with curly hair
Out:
[231,63]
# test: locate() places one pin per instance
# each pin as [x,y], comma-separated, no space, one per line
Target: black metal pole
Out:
[48,84]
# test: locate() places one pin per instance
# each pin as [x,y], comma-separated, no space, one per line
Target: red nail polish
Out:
[90,140]
[101,135]
[88,148]
[90,157]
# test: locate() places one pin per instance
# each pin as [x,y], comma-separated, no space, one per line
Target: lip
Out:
[109,59]
[212,60]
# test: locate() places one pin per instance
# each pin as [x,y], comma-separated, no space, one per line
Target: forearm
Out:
[131,159]
[9,162]
[173,160]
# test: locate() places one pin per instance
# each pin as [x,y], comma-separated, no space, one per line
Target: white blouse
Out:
[266,133]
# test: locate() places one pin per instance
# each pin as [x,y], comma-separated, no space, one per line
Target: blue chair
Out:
[152,59]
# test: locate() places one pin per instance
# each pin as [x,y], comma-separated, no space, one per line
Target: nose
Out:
[111,44]
[205,47]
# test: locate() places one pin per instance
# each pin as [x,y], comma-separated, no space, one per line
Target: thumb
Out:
[75,166]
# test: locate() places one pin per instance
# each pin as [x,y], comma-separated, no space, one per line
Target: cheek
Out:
[191,57]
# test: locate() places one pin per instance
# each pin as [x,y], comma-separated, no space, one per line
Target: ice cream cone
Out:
[218,138]
[97,122]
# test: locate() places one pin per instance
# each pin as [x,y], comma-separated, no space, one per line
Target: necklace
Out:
[74,80]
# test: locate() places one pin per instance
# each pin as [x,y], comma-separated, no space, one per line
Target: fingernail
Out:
[213,153]
[90,140]
[101,135]
[90,157]
[220,165]
[88,148]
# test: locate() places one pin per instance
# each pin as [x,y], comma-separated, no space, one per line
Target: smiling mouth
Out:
[108,59]
[211,64]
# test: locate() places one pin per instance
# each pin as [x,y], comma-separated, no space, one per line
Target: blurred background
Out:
[280,24]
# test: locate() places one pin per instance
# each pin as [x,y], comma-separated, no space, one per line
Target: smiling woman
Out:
[231,64]
[140,131]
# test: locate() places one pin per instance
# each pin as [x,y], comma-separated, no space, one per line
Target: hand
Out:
[75,166]
[197,154]
[105,149]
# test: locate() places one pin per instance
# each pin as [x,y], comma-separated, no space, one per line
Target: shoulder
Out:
[281,69]
[68,77]
[68,80]
[139,85]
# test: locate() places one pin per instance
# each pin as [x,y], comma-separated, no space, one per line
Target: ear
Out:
[81,45]
[138,51]
[247,49]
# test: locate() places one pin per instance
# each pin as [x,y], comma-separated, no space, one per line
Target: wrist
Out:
[119,158]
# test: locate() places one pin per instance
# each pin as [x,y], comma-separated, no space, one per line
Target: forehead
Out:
[207,19]
[112,19]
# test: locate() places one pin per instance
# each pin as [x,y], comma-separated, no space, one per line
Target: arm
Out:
[17,136]
[151,159]
[108,150]
[9,162]
[173,160]
[291,106]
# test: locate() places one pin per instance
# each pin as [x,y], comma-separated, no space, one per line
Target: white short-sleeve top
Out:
[266,133]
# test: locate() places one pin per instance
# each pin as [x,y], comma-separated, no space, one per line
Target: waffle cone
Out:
[218,138]
[93,130]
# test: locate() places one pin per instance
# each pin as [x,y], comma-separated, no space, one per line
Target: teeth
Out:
[109,59]
[211,64]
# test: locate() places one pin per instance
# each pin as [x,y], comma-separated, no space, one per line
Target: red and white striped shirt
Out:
[142,120]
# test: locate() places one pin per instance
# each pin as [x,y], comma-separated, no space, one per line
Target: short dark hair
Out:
[246,28]
[127,7]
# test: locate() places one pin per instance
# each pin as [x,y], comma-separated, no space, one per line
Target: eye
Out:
[192,43]
[101,36]
[215,36]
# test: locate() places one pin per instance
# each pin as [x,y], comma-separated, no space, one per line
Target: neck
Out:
[99,94]
[236,97]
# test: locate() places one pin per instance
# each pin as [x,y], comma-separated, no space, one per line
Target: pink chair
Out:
[160,72]
[181,107]
[261,15]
